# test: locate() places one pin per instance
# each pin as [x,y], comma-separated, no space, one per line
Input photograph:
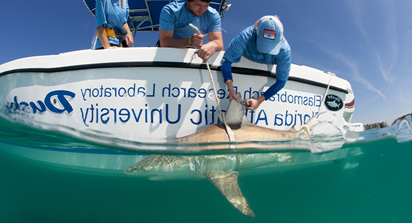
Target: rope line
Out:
[326,92]
[229,132]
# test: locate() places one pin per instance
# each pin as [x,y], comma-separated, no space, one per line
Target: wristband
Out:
[190,41]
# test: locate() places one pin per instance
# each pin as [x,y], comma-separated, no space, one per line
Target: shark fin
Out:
[293,129]
[228,185]
[156,163]
[235,114]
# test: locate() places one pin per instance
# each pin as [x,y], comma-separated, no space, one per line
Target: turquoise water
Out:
[51,177]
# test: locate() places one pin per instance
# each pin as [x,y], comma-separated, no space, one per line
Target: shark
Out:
[221,170]
[243,130]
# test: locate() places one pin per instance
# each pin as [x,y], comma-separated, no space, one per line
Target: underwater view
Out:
[48,176]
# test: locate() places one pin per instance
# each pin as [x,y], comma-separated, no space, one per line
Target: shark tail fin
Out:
[326,117]
[304,132]
[227,184]
[312,121]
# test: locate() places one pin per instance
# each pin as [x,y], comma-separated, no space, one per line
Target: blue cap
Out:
[269,35]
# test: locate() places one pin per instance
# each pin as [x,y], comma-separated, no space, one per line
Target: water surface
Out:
[52,177]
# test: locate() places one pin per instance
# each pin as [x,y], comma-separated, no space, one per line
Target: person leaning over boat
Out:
[111,23]
[263,43]
[174,29]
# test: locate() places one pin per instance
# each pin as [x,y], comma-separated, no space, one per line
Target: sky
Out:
[367,42]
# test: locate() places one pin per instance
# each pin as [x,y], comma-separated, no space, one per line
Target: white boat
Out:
[150,94]
[153,94]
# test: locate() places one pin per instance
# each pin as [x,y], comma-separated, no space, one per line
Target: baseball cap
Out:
[269,35]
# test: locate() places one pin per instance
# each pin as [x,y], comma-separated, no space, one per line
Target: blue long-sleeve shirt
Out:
[244,44]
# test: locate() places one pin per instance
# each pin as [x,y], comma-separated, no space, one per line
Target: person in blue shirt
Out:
[263,43]
[174,29]
[111,23]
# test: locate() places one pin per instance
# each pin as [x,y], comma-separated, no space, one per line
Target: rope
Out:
[326,92]
[229,132]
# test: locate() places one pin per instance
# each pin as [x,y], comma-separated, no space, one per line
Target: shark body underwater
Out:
[221,170]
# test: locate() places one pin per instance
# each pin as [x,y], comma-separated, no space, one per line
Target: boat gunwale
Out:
[237,70]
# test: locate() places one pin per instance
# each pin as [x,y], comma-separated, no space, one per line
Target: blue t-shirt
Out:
[111,14]
[175,17]
[244,44]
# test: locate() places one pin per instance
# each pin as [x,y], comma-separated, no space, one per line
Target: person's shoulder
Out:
[242,39]
[285,46]
[248,32]
[175,5]
[212,11]
[126,4]
[212,14]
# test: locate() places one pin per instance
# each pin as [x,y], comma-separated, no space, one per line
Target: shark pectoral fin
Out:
[227,184]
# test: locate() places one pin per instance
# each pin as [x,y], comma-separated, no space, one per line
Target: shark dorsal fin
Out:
[234,112]
[235,115]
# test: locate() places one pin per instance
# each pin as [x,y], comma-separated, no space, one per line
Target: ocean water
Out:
[52,177]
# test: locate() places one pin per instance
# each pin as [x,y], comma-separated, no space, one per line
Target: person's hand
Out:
[197,40]
[129,39]
[251,104]
[254,103]
[206,51]
[232,95]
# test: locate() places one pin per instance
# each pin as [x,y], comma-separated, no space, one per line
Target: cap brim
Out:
[268,46]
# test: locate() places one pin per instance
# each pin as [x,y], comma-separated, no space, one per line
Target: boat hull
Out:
[154,94]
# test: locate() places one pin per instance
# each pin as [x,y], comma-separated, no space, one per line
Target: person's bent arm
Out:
[129,36]
[166,40]
[226,69]
[217,39]
[253,103]
[274,88]
[282,74]
[101,32]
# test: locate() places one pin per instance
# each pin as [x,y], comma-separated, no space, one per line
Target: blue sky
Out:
[367,42]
